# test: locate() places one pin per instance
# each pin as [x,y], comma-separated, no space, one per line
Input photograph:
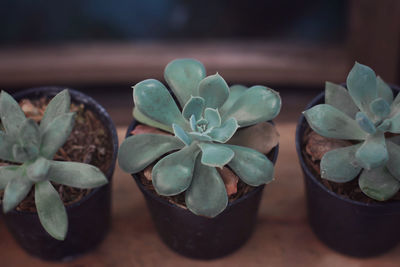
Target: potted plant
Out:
[219,134]
[55,208]
[348,145]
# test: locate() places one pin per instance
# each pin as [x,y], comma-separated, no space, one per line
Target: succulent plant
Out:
[32,147]
[362,113]
[211,116]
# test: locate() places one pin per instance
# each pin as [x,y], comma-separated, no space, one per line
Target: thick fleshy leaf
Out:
[251,166]
[394,158]
[215,155]
[193,123]
[11,114]
[138,151]
[262,137]
[202,137]
[29,133]
[183,77]
[56,134]
[338,97]
[365,123]
[37,171]
[51,210]
[256,104]
[361,84]
[194,106]
[154,101]
[391,124]
[331,122]
[340,165]
[7,173]
[146,120]
[380,107]
[57,106]
[213,118]
[173,174]
[181,134]
[206,195]
[384,90]
[16,190]
[6,147]
[23,153]
[378,184]
[214,90]
[76,174]
[235,91]
[225,132]
[372,153]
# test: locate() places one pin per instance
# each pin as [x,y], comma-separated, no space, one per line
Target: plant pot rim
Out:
[320,97]
[100,111]
[156,197]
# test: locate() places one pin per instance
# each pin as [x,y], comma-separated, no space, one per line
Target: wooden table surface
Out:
[282,236]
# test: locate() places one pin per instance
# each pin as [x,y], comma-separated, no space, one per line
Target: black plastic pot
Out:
[88,219]
[200,237]
[347,226]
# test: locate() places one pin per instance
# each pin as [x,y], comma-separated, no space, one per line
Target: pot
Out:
[197,236]
[350,227]
[88,219]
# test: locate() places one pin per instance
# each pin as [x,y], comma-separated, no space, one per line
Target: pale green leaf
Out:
[16,190]
[214,90]
[6,147]
[37,171]
[57,106]
[235,92]
[380,107]
[373,152]
[146,120]
[365,123]
[393,164]
[194,106]
[338,97]
[29,133]
[213,118]
[11,114]
[181,134]
[215,155]
[378,184]
[7,173]
[225,132]
[202,137]
[384,90]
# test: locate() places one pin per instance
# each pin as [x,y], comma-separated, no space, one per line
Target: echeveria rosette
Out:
[211,115]
[33,147]
[362,113]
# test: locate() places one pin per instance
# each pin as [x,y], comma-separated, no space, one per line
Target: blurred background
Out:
[101,46]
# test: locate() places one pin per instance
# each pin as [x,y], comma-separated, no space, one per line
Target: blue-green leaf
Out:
[193,123]
[235,92]
[338,97]
[194,106]
[365,123]
[6,147]
[23,153]
[173,174]
[394,158]
[384,90]
[256,104]
[372,153]
[213,118]
[380,107]
[331,122]
[378,183]
[16,190]
[7,173]
[29,133]
[215,155]
[138,151]
[214,90]
[37,170]
[57,106]
[206,195]
[225,132]
[391,124]
[361,84]
[181,134]
[76,174]
[340,165]
[183,77]
[146,120]
[11,114]
[154,101]
[202,137]
[251,166]
[51,210]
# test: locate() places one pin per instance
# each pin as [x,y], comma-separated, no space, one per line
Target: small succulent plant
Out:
[362,113]
[207,134]
[32,147]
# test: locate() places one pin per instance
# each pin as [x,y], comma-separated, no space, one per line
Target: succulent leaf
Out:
[139,116]
[380,107]
[262,137]
[202,137]
[256,104]
[338,97]
[331,122]
[225,132]
[37,170]
[6,147]
[372,153]
[154,101]
[365,123]
[215,155]
[7,173]
[22,153]
[56,134]
[29,133]
[11,114]
[206,195]
[193,123]
[173,174]
[214,90]
[394,158]
[16,190]
[340,165]
[194,107]
[213,118]
[235,91]
[384,90]
[76,174]
[378,183]
[362,86]
[138,151]
[51,210]
[57,106]
[181,134]
[391,124]
[251,166]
